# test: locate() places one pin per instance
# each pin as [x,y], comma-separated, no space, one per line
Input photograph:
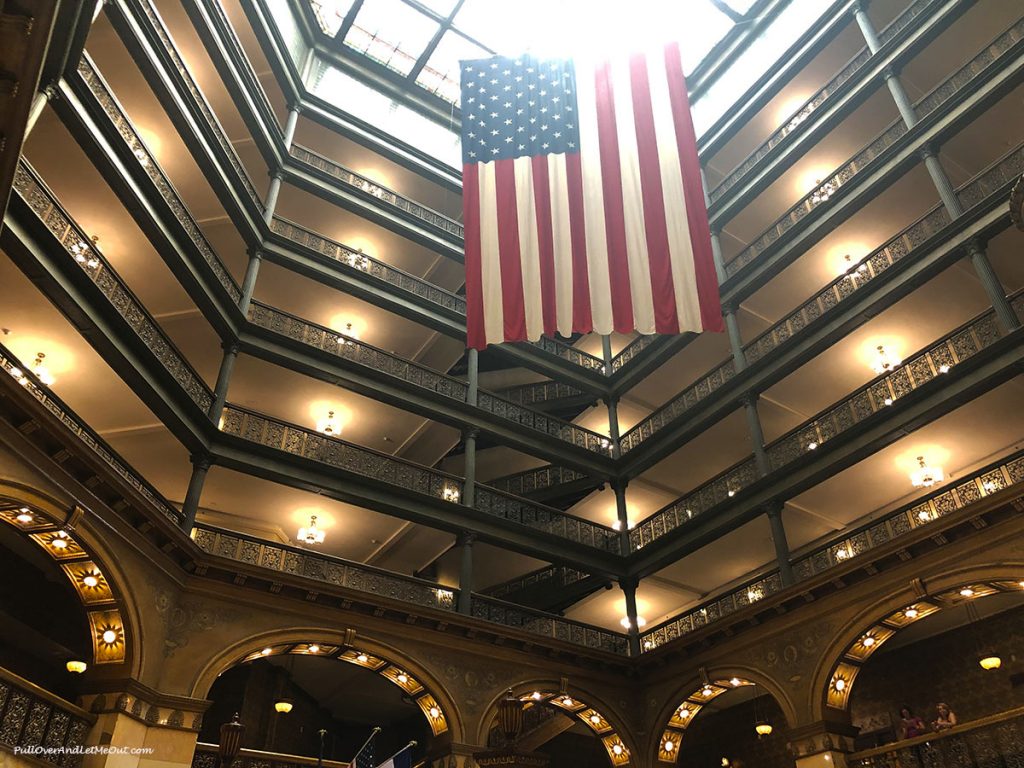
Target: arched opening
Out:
[931,652]
[726,722]
[565,725]
[324,698]
[58,608]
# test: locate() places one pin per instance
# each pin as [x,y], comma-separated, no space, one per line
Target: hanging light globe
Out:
[990,661]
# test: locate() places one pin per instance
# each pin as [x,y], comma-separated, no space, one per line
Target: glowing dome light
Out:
[990,662]
[78,667]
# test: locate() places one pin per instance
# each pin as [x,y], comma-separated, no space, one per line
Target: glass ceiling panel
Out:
[440,7]
[330,14]
[391,32]
[441,73]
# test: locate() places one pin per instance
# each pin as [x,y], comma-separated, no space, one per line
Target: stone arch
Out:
[602,718]
[435,703]
[688,700]
[837,671]
[65,534]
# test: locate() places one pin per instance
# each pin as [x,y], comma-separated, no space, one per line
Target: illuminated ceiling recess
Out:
[423,42]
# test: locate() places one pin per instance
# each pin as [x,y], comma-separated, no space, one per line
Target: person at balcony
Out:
[910,724]
[945,719]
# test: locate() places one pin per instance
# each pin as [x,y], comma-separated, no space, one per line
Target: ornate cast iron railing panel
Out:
[547,519]
[112,108]
[794,123]
[206,756]
[631,350]
[156,24]
[356,259]
[549,625]
[324,568]
[948,499]
[355,351]
[807,315]
[555,573]
[376,191]
[91,439]
[82,252]
[996,741]
[530,480]
[39,724]
[831,185]
[309,444]
[540,392]
[875,396]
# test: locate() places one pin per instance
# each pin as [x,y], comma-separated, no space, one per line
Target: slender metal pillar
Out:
[756,434]
[866,27]
[732,327]
[1007,318]
[220,391]
[774,513]
[189,507]
[39,102]
[470,435]
[941,181]
[289,126]
[892,82]
[465,543]
[622,513]
[611,402]
[628,587]
[272,194]
[249,281]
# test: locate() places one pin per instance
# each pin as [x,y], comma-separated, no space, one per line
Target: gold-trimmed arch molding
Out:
[875,633]
[88,577]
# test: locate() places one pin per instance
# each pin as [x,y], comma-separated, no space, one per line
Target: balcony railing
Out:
[540,392]
[376,191]
[798,119]
[308,444]
[206,756]
[808,315]
[112,108]
[874,397]
[355,351]
[631,350]
[549,625]
[199,101]
[996,740]
[40,725]
[831,185]
[839,551]
[90,439]
[321,567]
[84,253]
[540,478]
[557,574]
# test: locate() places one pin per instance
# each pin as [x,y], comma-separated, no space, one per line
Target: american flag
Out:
[364,758]
[584,209]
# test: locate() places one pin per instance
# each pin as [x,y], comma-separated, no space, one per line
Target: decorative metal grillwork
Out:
[530,480]
[156,24]
[559,574]
[797,120]
[324,568]
[548,625]
[353,350]
[952,497]
[93,441]
[376,191]
[547,519]
[540,392]
[989,182]
[33,719]
[76,244]
[113,110]
[831,185]
[631,350]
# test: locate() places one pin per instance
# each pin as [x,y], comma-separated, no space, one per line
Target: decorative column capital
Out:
[470,433]
[927,151]
[50,91]
[230,347]
[889,71]
[975,247]
[465,539]
[201,461]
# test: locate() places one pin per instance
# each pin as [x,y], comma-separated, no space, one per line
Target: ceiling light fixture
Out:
[868,641]
[911,613]
[402,677]
[40,371]
[966,592]
[348,336]
[761,724]
[626,623]
[78,667]
[567,701]
[535,696]
[853,269]
[362,658]
[823,191]
[595,719]
[266,652]
[90,581]
[357,260]
[85,254]
[283,706]
[617,749]
[109,637]
[668,746]
[311,534]
[434,712]
[314,648]
[24,516]
[330,426]
[451,494]
[925,476]
[884,362]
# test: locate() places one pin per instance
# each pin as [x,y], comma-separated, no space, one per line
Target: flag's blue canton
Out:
[365,758]
[520,107]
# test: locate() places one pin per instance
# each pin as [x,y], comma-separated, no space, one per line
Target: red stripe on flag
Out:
[614,216]
[655,225]
[696,212]
[582,318]
[476,336]
[512,299]
[546,243]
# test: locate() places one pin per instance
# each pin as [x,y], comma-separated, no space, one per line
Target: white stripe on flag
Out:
[593,201]
[562,239]
[684,278]
[632,199]
[529,246]
[490,267]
